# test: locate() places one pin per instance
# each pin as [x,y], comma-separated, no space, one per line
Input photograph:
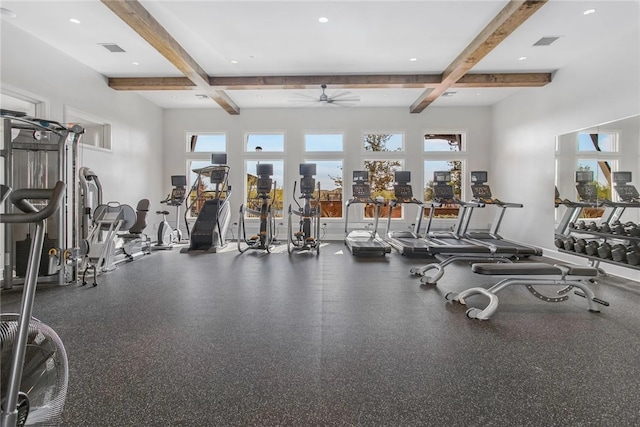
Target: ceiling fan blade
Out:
[305,96]
[351,99]
[339,94]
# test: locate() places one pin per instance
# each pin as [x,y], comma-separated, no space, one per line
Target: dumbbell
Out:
[619,252]
[617,227]
[559,242]
[605,228]
[604,251]
[633,230]
[593,226]
[569,244]
[580,225]
[580,246]
[592,248]
[633,255]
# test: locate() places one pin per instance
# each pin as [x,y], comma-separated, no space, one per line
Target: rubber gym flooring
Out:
[334,340]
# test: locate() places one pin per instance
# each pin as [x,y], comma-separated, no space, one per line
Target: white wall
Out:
[352,121]
[600,87]
[133,168]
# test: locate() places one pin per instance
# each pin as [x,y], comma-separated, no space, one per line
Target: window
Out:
[384,150]
[455,167]
[268,142]
[597,142]
[329,176]
[323,142]
[277,200]
[443,142]
[97,132]
[444,151]
[207,142]
[383,141]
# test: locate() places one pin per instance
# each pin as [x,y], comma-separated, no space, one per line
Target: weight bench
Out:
[530,274]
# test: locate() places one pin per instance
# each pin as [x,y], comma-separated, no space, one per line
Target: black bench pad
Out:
[530,269]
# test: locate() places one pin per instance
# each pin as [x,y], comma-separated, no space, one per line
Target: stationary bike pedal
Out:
[23,409]
[298,234]
[254,237]
[310,239]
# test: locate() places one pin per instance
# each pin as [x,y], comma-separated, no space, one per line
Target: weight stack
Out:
[22,255]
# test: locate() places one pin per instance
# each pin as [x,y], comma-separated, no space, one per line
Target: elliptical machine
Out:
[265,238]
[308,235]
[167,236]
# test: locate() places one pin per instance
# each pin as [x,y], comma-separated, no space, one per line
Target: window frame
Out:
[245,140]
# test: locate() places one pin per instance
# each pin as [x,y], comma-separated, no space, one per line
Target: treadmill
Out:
[449,247]
[406,242]
[482,195]
[364,242]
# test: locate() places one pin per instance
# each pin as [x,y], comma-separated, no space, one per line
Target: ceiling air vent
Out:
[449,93]
[546,41]
[112,47]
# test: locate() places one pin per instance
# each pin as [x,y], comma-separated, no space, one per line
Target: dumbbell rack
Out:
[602,237]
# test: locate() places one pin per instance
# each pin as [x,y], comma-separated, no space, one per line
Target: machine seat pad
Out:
[530,269]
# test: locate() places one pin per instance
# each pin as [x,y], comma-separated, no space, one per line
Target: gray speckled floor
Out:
[255,339]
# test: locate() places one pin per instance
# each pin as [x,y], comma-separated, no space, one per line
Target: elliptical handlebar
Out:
[31,214]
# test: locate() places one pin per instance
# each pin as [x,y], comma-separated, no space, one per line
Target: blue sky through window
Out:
[325,169]
[605,142]
[211,143]
[323,142]
[268,141]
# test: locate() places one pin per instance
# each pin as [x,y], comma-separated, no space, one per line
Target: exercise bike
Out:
[308,235]
[34,362]
[167,236]
[265,238]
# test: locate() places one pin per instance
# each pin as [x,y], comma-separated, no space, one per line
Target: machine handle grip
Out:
[31,213]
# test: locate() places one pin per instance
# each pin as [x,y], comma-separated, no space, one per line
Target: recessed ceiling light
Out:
[522,58]
[413,59]
[233,61]
[201,96]
[6,12]
[479,94]
[323,20]
[135,63]
[74,20]
[174,97]
[589,11]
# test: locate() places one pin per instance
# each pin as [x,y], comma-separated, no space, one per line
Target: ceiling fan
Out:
[337,99]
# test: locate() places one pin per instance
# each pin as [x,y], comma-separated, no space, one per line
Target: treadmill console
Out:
[587,192]
[443,192]
[481,191]
[361,191]
[627,192]
[403,191]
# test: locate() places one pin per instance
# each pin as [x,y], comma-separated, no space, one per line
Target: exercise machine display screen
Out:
[264,185]
[361,191]
[402,177]
[177,196]
[307,169]
[587,191]
[443,192]
[264,169]
[403,191]
[627,192]
[622,177]
[217,176]
[219,158]
[479,177]
[307,185]
[360,176]
[481,191]
[179,180]
[441,177]
[584,176]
